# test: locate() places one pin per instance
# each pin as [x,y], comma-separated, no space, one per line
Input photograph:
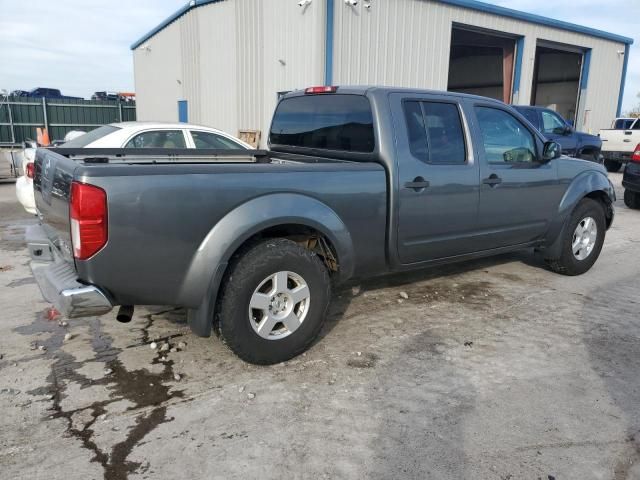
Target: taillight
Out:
[88,213]
[29,170]
[324,89]
[636,154]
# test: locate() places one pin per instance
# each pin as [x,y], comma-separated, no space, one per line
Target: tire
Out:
[632,199]
[570,263]
[256,278]
[612,165]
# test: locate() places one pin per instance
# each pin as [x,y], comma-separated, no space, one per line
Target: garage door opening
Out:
[481,64]
[556,80]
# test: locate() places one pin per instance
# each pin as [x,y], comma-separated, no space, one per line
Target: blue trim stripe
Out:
[172,18]
[517,72]
[586,63]
[471,4]
[623,79]
[328,45]
[539,19]
[183,111]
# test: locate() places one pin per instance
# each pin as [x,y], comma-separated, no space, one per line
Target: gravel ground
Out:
[494,369]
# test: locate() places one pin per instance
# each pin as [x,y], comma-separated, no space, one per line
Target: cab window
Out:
[435,132]
[505,138]
[158,139]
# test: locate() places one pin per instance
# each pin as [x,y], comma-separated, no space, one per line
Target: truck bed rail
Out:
[162,155]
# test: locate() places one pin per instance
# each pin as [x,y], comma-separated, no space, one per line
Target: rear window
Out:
[329,122]
[89,137]
[623,123]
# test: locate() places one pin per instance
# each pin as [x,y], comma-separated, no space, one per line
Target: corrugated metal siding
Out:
[407,42]
[158,72]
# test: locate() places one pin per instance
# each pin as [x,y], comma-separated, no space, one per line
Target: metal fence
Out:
[20,116]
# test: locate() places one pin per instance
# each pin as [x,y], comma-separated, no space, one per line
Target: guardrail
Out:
[20,116]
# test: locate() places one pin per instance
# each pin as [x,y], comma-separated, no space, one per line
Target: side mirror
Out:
[551,151]
[568,130]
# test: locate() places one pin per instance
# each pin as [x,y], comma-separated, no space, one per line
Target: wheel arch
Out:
[590,184]
[284,215]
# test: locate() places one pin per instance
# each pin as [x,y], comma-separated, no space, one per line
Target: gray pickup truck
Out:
[357,182]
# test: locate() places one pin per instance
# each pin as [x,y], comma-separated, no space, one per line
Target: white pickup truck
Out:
[618,145]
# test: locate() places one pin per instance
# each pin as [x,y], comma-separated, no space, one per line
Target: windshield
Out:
[84,140]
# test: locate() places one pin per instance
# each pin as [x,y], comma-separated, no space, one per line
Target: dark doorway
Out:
[556,80]
[481,63]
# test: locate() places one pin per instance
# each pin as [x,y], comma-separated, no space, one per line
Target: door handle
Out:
[493,180]
[417,184]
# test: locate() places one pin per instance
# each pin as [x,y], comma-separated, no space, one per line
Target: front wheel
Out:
[582,239]
[274,302]
[632,199]
[612,165]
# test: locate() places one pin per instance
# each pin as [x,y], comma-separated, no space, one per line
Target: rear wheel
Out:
[632,199]
[582,239]
[612,165]
[274,302]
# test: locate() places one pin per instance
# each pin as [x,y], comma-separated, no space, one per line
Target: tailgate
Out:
[52,186]
[619,140]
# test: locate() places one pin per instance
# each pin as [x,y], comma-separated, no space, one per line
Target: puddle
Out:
[21,281]
[146,391]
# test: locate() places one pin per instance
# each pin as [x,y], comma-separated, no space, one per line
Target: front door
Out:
[555,128]
[519,195]
[438,179]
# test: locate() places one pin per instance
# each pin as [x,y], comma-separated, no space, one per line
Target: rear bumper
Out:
[58,281]
[617,156]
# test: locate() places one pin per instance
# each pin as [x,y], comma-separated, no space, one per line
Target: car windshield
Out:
[89,137]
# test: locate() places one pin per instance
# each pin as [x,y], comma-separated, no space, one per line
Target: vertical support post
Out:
[120,110]
[517,71]
[581,117]
[11,125]
[328,44]
[44,113]
[623,79]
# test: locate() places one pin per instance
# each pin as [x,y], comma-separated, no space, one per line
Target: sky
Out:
[81,47]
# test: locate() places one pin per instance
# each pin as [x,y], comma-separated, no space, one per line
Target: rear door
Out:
[518,195]
[438,178]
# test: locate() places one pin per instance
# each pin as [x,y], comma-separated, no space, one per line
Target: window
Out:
[435,132]
[214,141]
[552,123]
[505,139]
[623,124]
[531,115]
[158,139]
[636,126]
[90,137]
[327,121]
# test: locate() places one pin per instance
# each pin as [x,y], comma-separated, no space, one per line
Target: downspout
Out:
[328,44]
[623,79]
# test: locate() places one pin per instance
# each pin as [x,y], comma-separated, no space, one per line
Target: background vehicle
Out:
[618,145]
[112,96]
[631,180]
[622,123]
[48,93]
[131,135]
[360,181]
[554,127]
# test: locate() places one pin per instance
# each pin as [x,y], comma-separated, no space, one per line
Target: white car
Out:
[132,135]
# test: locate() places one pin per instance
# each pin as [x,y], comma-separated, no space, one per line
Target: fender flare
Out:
[584,184]
[202,281]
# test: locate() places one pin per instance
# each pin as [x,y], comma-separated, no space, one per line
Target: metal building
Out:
[224,63]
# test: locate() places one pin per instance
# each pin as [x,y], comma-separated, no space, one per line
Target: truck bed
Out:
[164,207]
